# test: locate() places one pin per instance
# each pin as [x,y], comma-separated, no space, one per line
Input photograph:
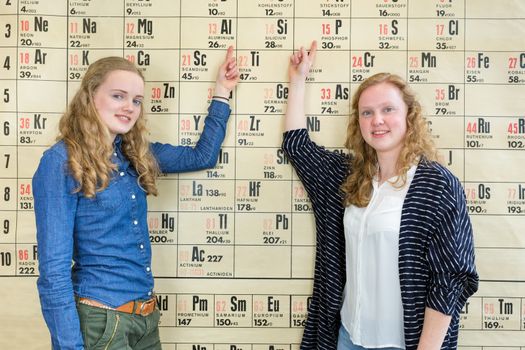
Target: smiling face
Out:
[118,101]
[382,119]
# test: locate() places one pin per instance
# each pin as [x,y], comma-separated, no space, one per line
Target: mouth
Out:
[123,117]
[380,132]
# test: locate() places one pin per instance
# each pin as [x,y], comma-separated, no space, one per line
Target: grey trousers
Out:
[114,330]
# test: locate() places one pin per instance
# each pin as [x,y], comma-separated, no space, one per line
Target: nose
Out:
[377,119]
[128,105]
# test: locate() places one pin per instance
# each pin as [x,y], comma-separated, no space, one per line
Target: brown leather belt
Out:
[138,307]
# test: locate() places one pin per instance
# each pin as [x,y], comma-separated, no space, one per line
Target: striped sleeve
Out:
[322,172]
[313,163]
[451,253]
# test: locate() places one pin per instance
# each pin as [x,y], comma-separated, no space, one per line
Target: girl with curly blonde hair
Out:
[90,193]
[394,258]
[81,129]
[417,144]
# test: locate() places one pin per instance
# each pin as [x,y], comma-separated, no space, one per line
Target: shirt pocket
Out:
[110,198]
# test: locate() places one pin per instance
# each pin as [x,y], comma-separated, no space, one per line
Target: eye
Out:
[117,96]
[389,109]
[137,102]
[366,113]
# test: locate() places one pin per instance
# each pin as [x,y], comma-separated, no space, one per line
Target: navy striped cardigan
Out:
[436,253]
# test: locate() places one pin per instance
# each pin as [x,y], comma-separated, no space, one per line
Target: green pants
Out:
[113,330]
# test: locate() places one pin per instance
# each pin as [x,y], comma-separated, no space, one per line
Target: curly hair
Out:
[418,145]
[83,132]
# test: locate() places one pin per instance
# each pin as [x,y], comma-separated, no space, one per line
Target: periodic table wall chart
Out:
[233,246]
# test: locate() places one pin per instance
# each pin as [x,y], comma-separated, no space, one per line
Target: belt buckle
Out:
[142,311]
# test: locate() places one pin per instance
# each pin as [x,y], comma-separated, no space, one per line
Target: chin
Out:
[120,132]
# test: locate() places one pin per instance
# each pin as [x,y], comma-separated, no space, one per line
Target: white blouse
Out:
[372,311]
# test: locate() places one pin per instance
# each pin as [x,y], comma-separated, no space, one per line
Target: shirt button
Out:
[142,246]
[149,293]
[115,154]
[121,173]
[147,269]
[135,222]
[132,196]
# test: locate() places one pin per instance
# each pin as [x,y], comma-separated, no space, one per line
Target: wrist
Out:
[221,92]
[298,81]
[220,98]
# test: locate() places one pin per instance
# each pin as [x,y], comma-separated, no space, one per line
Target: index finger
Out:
[229,53]
[313,50]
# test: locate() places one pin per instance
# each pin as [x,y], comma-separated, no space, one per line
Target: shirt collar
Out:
[118,156]
[410,175]
[117,143]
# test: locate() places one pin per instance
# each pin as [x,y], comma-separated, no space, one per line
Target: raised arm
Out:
[300,64]
[227,77]
[174,159]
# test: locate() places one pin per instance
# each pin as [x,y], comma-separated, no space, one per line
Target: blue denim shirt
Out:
[107,236]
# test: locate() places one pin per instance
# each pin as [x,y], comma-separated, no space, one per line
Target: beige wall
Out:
[465,58]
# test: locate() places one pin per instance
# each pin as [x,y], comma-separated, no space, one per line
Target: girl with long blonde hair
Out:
[417,146]
[90,193]
[394,258]
[81,128]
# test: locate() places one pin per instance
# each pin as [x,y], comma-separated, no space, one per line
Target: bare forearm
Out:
[295,117]
[435,328]
[300,63]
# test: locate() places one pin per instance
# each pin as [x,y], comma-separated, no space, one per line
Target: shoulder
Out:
[436,171]
[53,173]
[58,151]
[54,157]
[436,177]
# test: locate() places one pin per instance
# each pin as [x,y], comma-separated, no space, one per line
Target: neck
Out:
[387,167]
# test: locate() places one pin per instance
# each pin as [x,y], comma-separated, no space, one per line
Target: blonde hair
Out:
[85,135]
[418,144]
